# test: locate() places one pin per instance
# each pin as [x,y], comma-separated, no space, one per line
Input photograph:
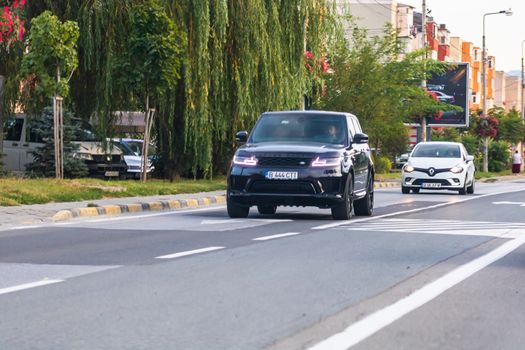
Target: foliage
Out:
[52,51]
[485,126]
[373,81]
[511,127]
[44,157]
[151,64]
[499,156]
[382,165]
[16,191]
[11,24]
[446,134]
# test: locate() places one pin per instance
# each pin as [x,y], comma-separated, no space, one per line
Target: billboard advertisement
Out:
[451,86]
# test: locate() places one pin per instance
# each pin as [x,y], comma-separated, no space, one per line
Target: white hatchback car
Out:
[439,166]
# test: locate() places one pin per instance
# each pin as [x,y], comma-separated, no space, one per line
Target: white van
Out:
[20,142]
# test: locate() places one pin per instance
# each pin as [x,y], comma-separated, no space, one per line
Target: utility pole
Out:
[424,81]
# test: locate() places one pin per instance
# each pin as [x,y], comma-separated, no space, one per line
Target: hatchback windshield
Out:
[301,128]
[436,151]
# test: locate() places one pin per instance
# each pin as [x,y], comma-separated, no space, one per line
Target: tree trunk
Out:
[2,81]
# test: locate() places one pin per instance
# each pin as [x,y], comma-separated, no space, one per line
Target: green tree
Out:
[44,157]
[374,81]
[52,53]
[510,127]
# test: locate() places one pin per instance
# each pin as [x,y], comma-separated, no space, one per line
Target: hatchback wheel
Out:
[470,189]
[463,191]
[343,211]
[405,190]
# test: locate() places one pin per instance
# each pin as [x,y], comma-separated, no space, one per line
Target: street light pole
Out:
[423,121]
[484,84]
[521,98]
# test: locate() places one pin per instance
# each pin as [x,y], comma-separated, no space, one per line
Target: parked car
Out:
[132,151]
[439,166]
[302,158]
[20,143]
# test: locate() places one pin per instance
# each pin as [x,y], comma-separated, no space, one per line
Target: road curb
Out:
[64,215]
[386,184]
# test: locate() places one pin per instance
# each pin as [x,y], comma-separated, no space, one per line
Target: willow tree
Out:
[243,58]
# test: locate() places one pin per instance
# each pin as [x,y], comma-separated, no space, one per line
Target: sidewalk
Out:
[26,215]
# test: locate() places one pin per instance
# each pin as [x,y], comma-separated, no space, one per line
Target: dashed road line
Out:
[265,238]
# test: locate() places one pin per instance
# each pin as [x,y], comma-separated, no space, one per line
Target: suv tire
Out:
[365,205]
[235,210]
[405,190]
[343,211]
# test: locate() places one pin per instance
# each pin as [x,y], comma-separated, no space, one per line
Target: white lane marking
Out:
[189,252]
[234,221]
[341,223]
[521,204]
[378,320]
[28,286]
[265,238]
[444,227]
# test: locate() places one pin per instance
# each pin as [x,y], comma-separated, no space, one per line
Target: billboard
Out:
[451,86]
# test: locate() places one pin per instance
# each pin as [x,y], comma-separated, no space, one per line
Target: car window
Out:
[436,151]
[13,129]
[331,129]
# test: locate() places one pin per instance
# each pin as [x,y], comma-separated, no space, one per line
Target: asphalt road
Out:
[429,271]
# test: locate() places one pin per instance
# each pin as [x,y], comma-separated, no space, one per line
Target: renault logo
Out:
[431,171]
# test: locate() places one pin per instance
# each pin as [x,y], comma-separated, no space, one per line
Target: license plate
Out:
[111,173]
[431,185]
[282,175]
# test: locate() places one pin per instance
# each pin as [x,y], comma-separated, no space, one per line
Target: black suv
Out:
[302,158]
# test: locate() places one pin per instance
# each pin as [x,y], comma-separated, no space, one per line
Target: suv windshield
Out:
[436,151]
[328,129]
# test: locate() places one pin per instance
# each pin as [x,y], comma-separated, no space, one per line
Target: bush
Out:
[499,156]
[382,165]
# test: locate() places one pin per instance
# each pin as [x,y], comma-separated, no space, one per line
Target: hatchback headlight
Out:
[245,160]
[456,170]
[408,168]
[318,162]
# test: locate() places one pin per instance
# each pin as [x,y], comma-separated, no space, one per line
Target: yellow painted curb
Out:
[155,206]
[220,199]
[206,201]
[134,207]
[112,209]
[192,202]
[92,211]
[62,215]
[174,204]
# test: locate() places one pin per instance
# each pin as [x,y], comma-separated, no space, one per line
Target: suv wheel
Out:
[267,209]
[405,190]
[235,210]
[343,211]
[365,205]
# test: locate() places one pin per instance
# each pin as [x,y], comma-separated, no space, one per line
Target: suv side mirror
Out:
[241,136]
[360,138]
[469,158]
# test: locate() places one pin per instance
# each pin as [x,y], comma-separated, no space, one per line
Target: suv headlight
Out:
[318,162]
[408,168]
[456,170]
[245,160]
